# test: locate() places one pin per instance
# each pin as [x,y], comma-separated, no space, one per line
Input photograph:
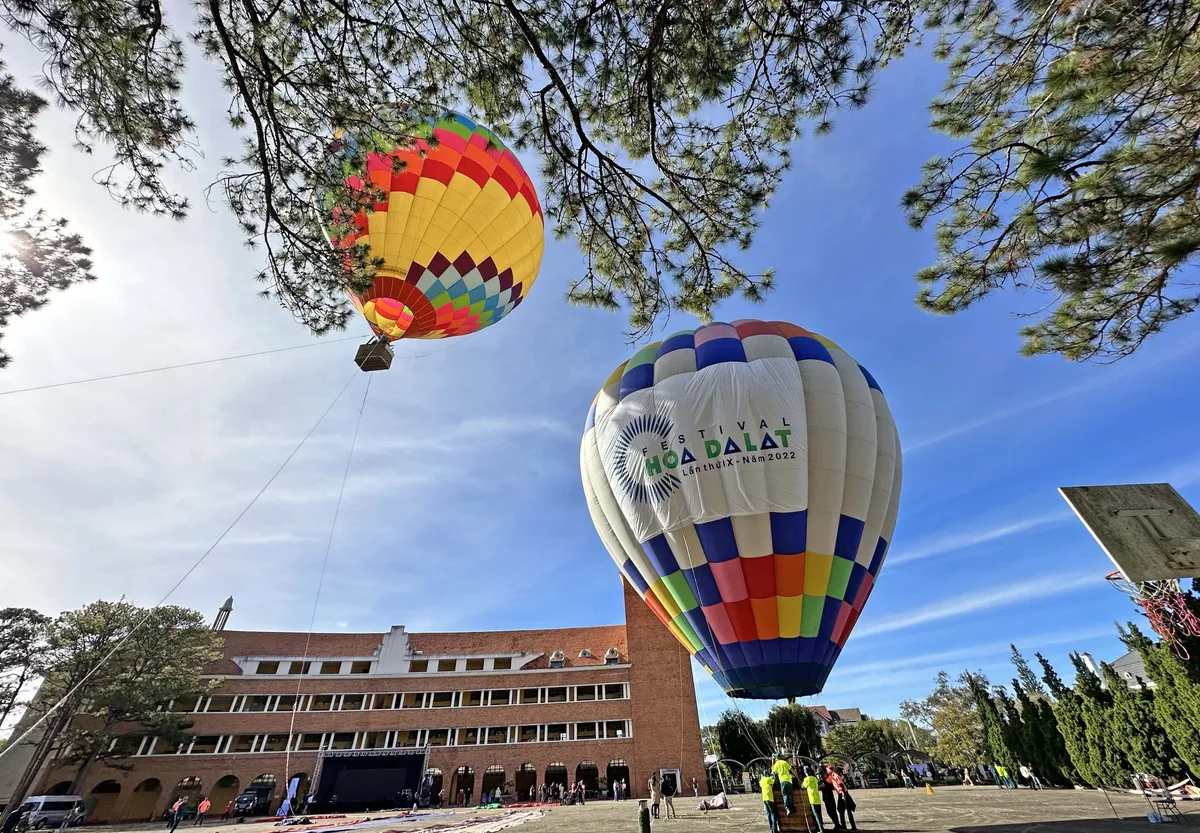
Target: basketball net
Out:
[1165,607]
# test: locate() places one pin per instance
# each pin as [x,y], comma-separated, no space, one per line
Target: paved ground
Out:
[950,810]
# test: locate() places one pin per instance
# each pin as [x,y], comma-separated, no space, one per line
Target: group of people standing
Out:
[664,790]
[830,788]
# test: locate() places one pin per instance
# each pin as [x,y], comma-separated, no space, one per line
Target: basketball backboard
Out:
[1148,530]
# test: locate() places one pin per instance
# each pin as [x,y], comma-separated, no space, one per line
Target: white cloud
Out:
[976,602]
[950,542]
[1103,378]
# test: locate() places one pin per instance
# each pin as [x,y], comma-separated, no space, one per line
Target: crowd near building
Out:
[357,717]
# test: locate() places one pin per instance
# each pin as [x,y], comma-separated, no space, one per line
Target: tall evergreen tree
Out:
[994,735]
[1136,729]
[1106,758]
[1041,739]
[1068,715]
[1177,696]
[1016,733]
[1029,681]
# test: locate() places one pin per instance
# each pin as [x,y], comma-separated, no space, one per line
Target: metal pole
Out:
[1110,804]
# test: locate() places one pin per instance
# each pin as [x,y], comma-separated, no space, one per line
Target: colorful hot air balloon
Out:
[459,231]
[746,477]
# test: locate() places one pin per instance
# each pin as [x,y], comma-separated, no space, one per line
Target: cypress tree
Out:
[1068,714]
[995,741]
[1013,728]
[1041,741]
[1177,696]
[1029,681]
[1104,751]
[1135,726]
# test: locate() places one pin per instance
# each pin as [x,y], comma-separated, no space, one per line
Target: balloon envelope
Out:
[746,479]
[459,230]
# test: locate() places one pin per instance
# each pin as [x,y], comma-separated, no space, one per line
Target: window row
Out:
[393,739]
[401,700]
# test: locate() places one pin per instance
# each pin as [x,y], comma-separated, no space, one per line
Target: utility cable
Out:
[14,742]
[287,760]
[175,366]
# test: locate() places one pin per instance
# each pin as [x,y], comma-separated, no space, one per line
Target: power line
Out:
[287,761]
[176,366]
[14,742]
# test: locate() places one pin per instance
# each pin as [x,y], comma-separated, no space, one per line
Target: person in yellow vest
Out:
[813,787]
[782,769]
[767,785]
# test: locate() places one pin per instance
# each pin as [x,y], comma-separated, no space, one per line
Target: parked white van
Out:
[50,810]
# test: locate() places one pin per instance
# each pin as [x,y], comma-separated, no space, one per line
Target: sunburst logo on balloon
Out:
[643,470]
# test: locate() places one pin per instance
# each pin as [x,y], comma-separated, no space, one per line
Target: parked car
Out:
[50,810]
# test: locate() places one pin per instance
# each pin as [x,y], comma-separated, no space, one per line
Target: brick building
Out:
[476,711]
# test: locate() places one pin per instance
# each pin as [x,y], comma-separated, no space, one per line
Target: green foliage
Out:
[23,633]
[663,128]
[1176,699]
[111,666]
[882,736]
[1105,758]
[1028,679]
[950,712]
[741,739]
[996,736]
[1068,713]
[37,254]
[1079,173]
[792,728]
[1136,730]
[1041,744]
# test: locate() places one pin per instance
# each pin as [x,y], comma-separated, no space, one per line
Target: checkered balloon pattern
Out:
[745,478]
[459,231]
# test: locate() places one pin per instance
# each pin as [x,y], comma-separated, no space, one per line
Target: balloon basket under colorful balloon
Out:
[376,354]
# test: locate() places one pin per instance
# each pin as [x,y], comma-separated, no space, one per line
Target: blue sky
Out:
[463,507]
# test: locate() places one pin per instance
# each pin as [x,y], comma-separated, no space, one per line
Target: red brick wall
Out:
[662,707]
[666,726]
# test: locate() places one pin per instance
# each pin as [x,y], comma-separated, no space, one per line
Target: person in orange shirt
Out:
[200,811]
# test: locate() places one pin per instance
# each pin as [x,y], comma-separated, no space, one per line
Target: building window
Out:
[472,698]
[383,701]
[331,667]
[245,743]
[309,742]
[320,703]
[418,666]
[360,667]
[274,743]
[299,667]
[205,744]
[268,667]
[529,696]
[556,695]
[475,664]
[373,740]
[614,729]
[438,737]
[612,657]
[258,703]
[285,703]
[407,739]
[527,734]
[342,740]
[353,702]
[614,691]
[502,663]
[585,654]
[556,731]
[447,665]
[585,692]
[413,700]
[497,734]
[501,697]
[585,731]
[220,703]
[443,699]
[468,737]
[557,659]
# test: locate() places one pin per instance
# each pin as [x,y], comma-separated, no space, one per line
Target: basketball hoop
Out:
[1165,607]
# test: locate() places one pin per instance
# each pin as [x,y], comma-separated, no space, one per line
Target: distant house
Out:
[829,718]
[1132,670]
